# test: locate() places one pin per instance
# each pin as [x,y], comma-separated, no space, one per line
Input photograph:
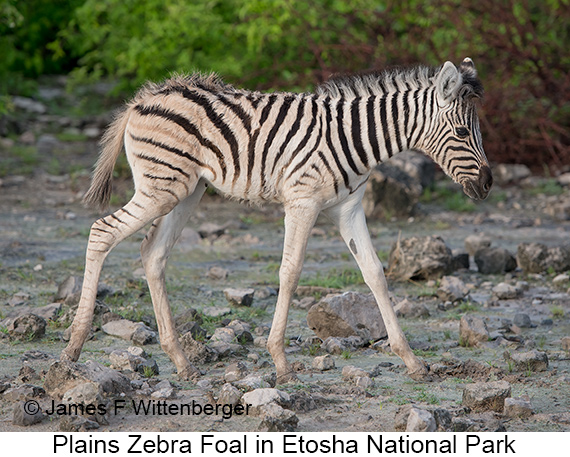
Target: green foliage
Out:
[520,49]
[334,279]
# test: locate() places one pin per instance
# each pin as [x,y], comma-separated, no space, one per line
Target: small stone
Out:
[87,393]
[352,372]
[472,330]
[522,320]
[224,334]
[407,308]
[507,173]
[23,392]
[566,343]
[163,390]
[364,382]
[49,312]
[217,273]
[242,331]
[323,363]
[419,258]
[278,419]
[494,261]
[253,382]
[561,279]
[260,342]
[239,297]
[517,408]
[420,420]
[216,311]
[452,289]
[148,367]
[137,332]
[28,327]
[528,361]
[229,395]
[236,371]
[261,397]
[264,292]
[75,423]
[477,242]
[196,351]
[144,335]
[486,396]
[19,299]
[26,414]
[124,360]
[504,291]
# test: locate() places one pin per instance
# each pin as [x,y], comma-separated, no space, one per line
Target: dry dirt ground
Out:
[43,235]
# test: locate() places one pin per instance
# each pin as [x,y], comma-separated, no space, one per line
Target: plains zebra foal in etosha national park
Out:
[310,152]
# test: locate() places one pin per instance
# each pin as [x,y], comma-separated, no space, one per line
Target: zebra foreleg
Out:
[155,250]
[105,234]
[349,217]
[299,220]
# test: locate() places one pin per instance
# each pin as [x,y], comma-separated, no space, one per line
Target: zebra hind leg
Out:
[105,234]
[155,250]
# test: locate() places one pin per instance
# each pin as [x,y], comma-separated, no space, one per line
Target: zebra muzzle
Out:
[479,188]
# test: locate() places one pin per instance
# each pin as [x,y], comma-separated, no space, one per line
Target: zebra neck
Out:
[370,130]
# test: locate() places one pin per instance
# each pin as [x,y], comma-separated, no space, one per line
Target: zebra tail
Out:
[99,193]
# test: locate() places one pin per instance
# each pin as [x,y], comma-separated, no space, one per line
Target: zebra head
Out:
[454,141]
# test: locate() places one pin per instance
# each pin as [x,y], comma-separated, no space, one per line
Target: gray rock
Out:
[236,371]
[259,398]
[494,261]
[517,408]
[75,423]
[351,372]
[224,334]
[507,173]
[365,382]
[486,396]
[124,360]
[561,279]
[217,273]
[242,331]
[419,258]
[23,392]
[253,382]
[144,335]
[48,312]
[63,376]
[565,343]
[407,308]
[323,363]
[25,414]
[452,289]
[27,327]
[522,320]
[394,187]
[193,328]
[239,297]
[335,345]
[196,351]
[229,395]
[163,390]
[472,330]
[420,420]
[525,361]
[443,419]
[477,242]
[504,291]
[275,418]
[345,315]
[137,332]
[19,299]
[537,257]
[28,104]
[148,367]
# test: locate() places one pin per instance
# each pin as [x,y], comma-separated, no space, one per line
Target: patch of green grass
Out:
[451,199]
[547,187]
[346,354]
[467,307]
[335,279]
[557,312]
[19,160]
[425,396]
[71,136]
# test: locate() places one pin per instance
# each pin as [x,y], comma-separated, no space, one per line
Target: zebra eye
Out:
[461,132]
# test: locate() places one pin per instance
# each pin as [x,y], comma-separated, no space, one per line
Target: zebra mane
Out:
[177,82]
[392,80]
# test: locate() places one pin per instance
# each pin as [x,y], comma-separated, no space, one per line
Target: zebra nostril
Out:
[485,178]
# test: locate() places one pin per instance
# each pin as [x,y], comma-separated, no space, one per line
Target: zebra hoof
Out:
[420,373]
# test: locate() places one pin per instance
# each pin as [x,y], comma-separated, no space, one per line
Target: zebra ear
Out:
[448,81]
[467,68]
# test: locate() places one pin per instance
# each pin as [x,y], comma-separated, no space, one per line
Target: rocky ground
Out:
[482,291]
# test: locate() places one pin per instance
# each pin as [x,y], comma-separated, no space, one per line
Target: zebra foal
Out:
[310,152]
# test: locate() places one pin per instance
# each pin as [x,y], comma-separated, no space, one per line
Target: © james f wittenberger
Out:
[141,407]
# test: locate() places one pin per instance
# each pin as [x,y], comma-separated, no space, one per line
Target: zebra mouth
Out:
[479,188]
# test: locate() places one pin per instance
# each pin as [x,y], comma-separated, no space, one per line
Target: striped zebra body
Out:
[310,152]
